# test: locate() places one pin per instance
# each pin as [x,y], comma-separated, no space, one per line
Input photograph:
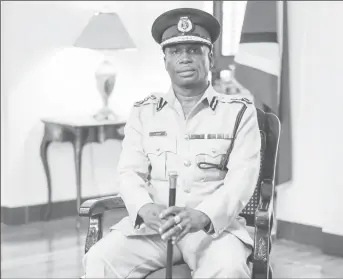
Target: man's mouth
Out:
[186,72]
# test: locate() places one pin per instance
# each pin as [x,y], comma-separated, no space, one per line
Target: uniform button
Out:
[187,163]
[214,151]
[187,190]
[158,149]
[186,137]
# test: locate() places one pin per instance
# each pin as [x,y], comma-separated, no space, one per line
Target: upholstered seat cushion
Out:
[180,271]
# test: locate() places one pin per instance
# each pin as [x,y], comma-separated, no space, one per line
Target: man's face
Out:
[188,64]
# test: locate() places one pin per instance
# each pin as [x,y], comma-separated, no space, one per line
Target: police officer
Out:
[191,130]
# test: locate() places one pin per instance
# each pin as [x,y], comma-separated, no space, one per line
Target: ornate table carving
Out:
[78,131]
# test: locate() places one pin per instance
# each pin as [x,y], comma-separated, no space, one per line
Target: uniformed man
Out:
[191,130]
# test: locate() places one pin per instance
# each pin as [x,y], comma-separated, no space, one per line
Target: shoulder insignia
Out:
[231,99]
[161,103]
[151,99]
[214,103]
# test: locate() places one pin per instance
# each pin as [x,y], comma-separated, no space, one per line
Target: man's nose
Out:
[185,58]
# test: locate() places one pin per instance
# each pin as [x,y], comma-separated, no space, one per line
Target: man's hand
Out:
[182,220]
[150,214]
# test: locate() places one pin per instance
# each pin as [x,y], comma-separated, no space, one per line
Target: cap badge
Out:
[185,25]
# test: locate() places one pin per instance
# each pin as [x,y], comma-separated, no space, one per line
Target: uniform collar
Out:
[209,94]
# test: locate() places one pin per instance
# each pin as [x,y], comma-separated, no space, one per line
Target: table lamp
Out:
[105,32]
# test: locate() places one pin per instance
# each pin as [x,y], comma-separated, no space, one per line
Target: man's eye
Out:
[193,50]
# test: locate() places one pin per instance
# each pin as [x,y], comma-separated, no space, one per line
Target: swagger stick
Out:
[172,196]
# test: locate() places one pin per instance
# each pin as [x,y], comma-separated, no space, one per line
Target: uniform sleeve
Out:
[227,202]
[133,167]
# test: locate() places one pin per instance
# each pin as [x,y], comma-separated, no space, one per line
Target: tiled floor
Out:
[54,250]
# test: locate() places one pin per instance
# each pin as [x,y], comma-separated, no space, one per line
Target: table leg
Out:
[44,156]
[78,146]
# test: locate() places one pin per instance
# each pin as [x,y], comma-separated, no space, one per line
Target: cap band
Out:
[183,39]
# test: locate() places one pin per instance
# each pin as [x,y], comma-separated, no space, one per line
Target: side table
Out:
[79,131]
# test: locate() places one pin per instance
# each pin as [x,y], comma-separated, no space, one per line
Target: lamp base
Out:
[105,114]
[105,79]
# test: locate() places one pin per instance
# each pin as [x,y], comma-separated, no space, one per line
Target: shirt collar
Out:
[209,94]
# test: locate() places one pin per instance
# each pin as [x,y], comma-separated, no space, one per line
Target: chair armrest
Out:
[263,214]
[263,221]
[98,206]
[267,192]
[263,224]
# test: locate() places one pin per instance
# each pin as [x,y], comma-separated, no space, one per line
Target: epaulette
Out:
[151,99]
[232,99]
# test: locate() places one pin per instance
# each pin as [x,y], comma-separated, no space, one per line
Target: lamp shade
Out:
[105,31]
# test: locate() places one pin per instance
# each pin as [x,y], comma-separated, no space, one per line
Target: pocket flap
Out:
[213,148]
[159,146]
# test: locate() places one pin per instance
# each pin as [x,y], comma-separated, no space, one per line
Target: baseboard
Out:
[34,213]
[305,234]
[330,244]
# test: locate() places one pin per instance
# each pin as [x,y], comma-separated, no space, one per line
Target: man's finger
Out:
[183,233]
[154,227]
[175,230]
[170,211]
[157,221]
[178,218]
[154,224]
[182,215]
[166,226]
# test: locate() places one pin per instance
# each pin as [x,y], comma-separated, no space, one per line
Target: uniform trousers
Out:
[120,256]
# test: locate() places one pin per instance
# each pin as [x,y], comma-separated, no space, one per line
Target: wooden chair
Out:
[258,212]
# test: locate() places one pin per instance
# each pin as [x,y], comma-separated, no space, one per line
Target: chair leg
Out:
[262,275]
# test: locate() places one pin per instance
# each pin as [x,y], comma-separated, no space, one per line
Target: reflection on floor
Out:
[54,250]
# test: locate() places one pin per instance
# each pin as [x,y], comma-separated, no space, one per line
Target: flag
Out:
[262,67]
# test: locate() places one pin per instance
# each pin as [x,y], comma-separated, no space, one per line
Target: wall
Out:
[316,71]
[43,75]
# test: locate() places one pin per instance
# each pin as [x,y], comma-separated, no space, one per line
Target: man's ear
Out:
[211,58]
[165,62]
[164,57]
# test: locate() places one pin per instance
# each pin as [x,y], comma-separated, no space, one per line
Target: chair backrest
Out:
[270,127]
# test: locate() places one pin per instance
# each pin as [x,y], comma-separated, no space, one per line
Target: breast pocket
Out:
[161,153]
[210,152]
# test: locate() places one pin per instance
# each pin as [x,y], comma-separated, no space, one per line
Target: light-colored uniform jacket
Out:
[159,139]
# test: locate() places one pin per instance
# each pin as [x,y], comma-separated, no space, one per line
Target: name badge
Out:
[158,134]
